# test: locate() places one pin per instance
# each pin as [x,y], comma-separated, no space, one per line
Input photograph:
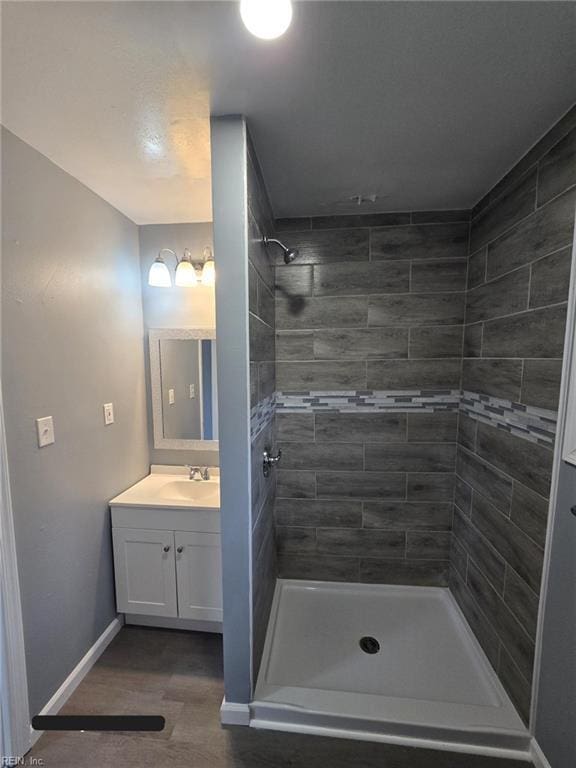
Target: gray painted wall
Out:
[175,308]
[72,340]
[230,211]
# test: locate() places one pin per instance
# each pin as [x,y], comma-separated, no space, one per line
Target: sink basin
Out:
[170,487]
[190,490]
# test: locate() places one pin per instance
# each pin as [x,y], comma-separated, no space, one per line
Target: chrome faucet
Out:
[203,474]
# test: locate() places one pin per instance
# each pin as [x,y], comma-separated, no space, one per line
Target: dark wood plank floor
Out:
[179,675]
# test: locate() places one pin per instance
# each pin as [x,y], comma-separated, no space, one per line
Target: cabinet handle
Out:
[167,548]
[179,550]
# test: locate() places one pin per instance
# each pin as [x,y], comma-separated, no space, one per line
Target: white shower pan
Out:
[429,684]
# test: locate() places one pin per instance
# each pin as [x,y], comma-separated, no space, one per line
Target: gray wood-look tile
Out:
[515,204]
[503,296]
[541,383]
[295,345]
[517,687]
[420,241]
[361,343]
[360,542]
[522,601]
[479,623]
[440,217]
[318,567]
[296,485]
[436,341]
[266,304]
[513,544]
[295,426]
[557,169]
[262,342]
[258,255]
[527,462]
[428,545]
[545,231]
[437,276]
[252,289]
[355,278]
[319,514]
[550,278]
[332,456]
[463,496]
[458,557]
[347,221]
[299,540]
[411,457]
[477,268]
[499,378]
[486,557]
[292,376]
[473,340]
[266,379]
[294,280]
[434,486]
[435,427]
[416,309]
[408,515]
[536,333]
[418,573]
[293,224]
[516,641]
[530,513]
[253,384]
[486,479]
[385,427]
[467,431]
[321,247]
[320,312]
[412,374]
[361,485]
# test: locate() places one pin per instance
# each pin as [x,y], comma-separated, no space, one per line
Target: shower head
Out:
[289,253]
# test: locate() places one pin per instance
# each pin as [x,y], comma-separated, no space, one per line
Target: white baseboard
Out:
[234,714]
[53,706]
[538,757]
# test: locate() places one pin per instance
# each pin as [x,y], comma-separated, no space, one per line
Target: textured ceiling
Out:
[424,104]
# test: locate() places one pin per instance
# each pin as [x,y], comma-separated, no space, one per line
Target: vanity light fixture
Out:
[185,273]
[208,270]
[266,19]
[158,275]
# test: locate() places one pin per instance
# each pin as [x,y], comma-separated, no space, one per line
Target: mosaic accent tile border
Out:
[368,400]
[537,425]
[261,415]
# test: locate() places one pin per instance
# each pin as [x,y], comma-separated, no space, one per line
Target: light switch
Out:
[192,391]
[45,430]
[171,397]
[108,413]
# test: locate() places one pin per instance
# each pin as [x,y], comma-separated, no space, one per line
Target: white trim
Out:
[234,714]
[15,721]
[538,757]
[562,442]
[57,701]
[155,335]
[381,738]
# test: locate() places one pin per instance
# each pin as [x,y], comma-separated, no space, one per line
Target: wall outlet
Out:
[45,431]
[171,397]
[108,413]
[192,391]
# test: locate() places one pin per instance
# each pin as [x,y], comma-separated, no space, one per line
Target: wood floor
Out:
[179,675]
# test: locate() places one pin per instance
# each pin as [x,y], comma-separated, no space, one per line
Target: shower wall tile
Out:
[428,545]
[436,341]
[361,343]
[408,515]
[435,427]
[331,245]
[321,312]
[292,376]
[361,485]
[334,428]
[518,277]
[421,241]
[348,279]
[438,276]
[416,309]
[439,217]
[413,374]
[295,426]
[361,542]
[411,457]
[296,485]
[318,567]
[432,573]
[294,345]
[294,280]
[423,486]
[312,513]
[334,456]
[362,220]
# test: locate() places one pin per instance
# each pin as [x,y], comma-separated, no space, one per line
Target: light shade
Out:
[159,276]
[186,275]
[208,273]
[266,19]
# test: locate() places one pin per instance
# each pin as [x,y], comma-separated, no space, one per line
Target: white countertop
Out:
[168,486]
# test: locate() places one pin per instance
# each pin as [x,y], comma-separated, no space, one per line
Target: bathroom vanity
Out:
[167,553]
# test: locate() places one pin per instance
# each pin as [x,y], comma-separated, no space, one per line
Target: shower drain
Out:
[369,644]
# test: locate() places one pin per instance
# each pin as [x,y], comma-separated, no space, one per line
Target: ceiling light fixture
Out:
[267,19]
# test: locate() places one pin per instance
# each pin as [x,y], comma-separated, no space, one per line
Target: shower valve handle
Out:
[268,461]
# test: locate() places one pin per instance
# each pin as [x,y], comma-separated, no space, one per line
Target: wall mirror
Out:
[183,387]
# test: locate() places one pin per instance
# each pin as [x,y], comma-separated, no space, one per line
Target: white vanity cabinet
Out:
[168,563]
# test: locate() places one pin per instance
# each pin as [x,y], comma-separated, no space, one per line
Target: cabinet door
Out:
[199,573]
[145,572]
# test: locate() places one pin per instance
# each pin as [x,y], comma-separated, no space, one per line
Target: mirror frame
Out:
[155,335]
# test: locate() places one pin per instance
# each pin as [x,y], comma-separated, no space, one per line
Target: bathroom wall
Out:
[175,308]
[72,341]
[261,278]
[518,278]
[369,323]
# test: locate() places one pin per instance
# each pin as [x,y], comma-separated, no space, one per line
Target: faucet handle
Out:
[206,473]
